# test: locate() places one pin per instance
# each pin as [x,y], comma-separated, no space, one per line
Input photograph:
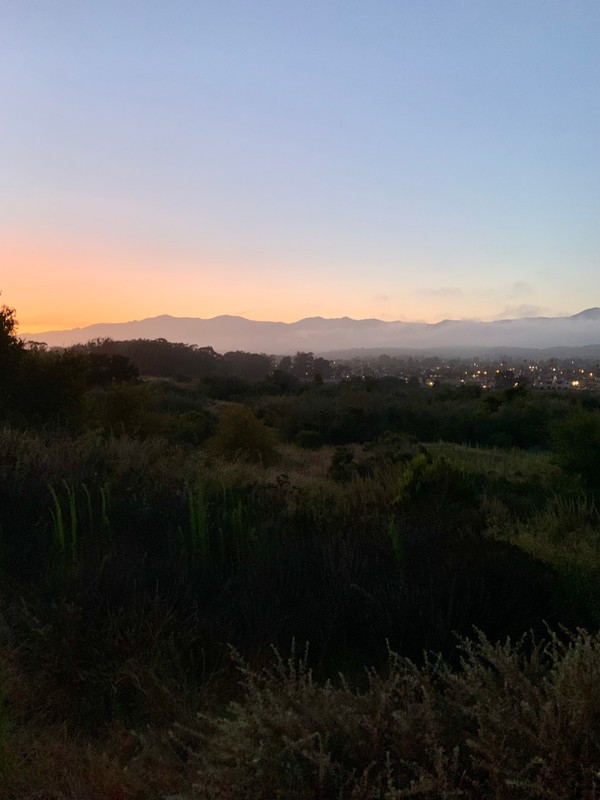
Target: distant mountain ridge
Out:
[319,335]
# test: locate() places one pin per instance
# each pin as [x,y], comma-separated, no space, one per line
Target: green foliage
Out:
[517,465]
[576,442]
[240,435]
[420,470]
[395,447]
[357,410]
[49,387]
[124,408]
[435,484]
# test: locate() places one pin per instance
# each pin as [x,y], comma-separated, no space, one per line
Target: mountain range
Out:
[331,336]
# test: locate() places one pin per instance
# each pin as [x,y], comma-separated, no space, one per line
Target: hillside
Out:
[319,335]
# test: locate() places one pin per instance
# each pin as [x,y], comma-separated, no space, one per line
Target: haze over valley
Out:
[331,336]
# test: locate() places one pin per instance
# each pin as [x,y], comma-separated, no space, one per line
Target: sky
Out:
[279,159]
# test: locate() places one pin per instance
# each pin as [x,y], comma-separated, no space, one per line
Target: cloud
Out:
[523,310]
[520,289]
[381,298]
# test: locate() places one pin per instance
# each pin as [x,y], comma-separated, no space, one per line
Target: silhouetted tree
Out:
[247,366]
[160,358]
[279,382]
[11,350]
[104,369]
[10,345]
[323,367]
[303,366]
[285,365]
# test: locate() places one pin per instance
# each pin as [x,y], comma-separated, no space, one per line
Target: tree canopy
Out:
[10,345]
[8,327]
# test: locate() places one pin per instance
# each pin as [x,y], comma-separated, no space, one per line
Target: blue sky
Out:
[404,160]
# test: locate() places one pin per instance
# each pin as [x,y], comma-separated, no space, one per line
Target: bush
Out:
[432,485]
[514,721]
[240,435]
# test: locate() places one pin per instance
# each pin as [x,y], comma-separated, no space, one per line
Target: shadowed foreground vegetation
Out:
[434,548]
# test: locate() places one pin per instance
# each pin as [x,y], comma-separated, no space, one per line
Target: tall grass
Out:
[565,534]
[64,533]
[58,525]
[104,506]
[515,465]
[398,548]
[197,542]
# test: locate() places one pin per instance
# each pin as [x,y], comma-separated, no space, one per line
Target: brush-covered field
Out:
[358,591]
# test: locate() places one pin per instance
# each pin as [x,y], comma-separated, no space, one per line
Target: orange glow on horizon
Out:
[59,285]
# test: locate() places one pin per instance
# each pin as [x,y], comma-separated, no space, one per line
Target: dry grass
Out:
[50,765]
